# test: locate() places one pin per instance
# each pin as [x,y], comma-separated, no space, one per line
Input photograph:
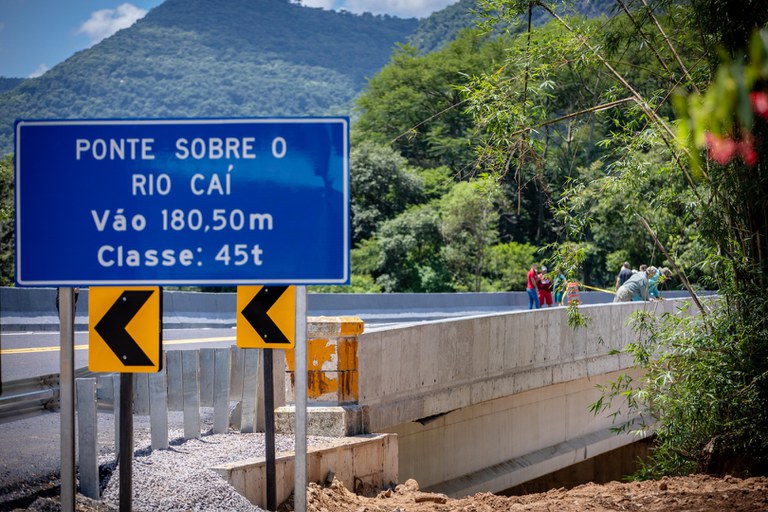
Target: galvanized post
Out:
[300,472]
[87,456]
[191,392]
[220,390]
[158,410]
[67,396]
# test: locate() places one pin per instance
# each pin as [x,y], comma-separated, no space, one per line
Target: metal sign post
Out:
[269,429]
[300,450]
[126,442]
[67,397]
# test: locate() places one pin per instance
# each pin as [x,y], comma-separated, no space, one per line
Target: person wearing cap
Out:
[545,288]
[653,283]
[637,285]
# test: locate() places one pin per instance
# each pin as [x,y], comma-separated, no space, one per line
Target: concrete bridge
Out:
[478,404]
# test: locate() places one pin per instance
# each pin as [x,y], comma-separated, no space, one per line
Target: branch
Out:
[590,110]
[640,31]
[678,270]
[671,48]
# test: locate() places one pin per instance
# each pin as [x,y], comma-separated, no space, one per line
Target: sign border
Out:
[346,271]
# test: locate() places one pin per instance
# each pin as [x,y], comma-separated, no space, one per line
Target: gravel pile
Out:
[179,478]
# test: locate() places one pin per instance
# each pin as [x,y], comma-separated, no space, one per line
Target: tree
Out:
[414,103]
[469,224]
[382,186]
[509,264]
[7,246]
[409,257]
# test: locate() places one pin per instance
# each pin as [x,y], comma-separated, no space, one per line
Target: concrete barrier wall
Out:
[34,309]
[413,373]
[369,461]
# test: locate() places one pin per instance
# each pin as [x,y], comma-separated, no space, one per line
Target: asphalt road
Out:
[30,354]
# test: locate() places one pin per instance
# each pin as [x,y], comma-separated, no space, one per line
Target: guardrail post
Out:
[236,374]
[87,461]
[206,377]
[141,394]
[191,394]
[251,363]
[175,392]
[158,410]
[220,390]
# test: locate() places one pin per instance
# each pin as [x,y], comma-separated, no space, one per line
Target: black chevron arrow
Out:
[111,327]
[256,314]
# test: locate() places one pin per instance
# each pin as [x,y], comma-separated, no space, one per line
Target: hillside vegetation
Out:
[201,58]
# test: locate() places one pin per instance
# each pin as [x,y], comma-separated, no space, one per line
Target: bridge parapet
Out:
[422,371]
[363,382]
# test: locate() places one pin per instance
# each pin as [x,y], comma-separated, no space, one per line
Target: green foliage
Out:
[6,84]
[414,104]
[7,245]
[359,283]
[410,258]
[702,388]
[442,27]
[437,181]
[509,264]
[382,186]
[469,215]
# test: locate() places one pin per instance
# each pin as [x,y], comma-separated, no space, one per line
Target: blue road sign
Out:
[182,202]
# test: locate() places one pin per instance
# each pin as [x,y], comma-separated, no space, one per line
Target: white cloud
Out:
[403,8]
[325,4]
[105,22]
[41,69]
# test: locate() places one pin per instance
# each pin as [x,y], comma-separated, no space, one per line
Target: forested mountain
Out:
[6,84]
[208,58]
[442,27]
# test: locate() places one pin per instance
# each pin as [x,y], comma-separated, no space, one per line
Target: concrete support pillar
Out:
[332,380]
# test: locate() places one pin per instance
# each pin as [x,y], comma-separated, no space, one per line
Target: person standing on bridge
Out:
[624,274]
[533,288]
[545,288]
[635,285]
[559,286]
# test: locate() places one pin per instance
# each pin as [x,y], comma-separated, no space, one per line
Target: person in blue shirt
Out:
[653,283]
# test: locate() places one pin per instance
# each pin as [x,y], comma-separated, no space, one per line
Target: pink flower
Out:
[747,152]
[759,100]
[721,149]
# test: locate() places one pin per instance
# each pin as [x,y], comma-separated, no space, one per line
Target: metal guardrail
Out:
[24,398]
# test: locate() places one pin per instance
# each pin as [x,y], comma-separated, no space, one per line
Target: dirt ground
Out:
[695,493]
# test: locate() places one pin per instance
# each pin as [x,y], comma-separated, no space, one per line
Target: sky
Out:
[35,35]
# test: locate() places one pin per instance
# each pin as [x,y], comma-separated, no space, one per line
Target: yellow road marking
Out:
[34,350]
